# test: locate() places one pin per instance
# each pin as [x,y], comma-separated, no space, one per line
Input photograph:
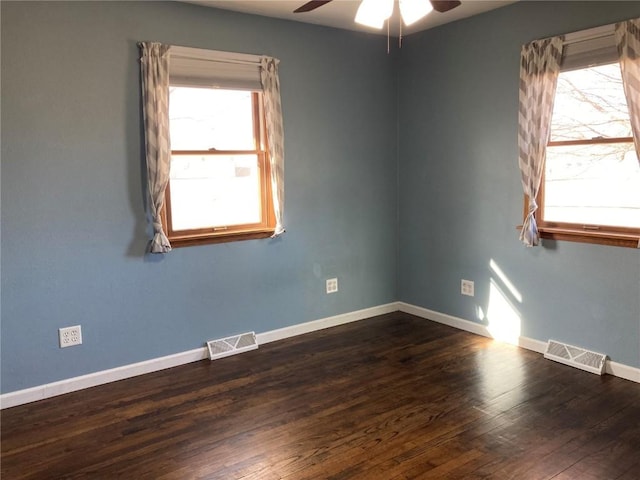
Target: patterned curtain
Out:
[275,131]
[154,62]
[539,68]
[628,43]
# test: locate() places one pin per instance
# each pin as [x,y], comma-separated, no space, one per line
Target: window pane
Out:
[209,191]
[593,185]
[590,103]
[208,118]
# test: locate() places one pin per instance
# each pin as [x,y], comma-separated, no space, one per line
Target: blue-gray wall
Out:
[73,233]
[460,195]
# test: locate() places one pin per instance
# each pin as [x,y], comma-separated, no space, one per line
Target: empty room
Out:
[372,240]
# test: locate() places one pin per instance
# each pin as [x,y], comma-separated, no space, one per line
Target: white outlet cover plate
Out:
[467,287]
[70,336]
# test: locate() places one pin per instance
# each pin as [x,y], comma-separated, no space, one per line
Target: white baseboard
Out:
[613,368]
[302,328]
[40,392]
[623,371]
[61,387]
[466,325]
[74,384]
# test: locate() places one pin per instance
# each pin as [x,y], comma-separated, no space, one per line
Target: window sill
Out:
[594,237]
[207,239]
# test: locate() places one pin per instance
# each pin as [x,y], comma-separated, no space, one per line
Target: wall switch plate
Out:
[70,336]
[467,287]
[332,285]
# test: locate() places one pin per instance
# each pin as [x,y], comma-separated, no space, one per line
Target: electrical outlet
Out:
[332,285]
[70,336]
[466,287]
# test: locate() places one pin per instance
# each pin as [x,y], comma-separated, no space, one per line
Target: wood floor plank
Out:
[393,398]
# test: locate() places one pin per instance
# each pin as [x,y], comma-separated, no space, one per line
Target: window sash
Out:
[226,230]
[577,232]
[543,223]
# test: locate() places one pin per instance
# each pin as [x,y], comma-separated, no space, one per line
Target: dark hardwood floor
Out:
[394,397]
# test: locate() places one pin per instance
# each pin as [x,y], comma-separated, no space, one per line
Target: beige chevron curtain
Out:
[539,67]
[154,64]
[628,43]
[275,131]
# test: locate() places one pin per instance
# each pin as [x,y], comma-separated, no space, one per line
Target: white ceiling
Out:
[340,13]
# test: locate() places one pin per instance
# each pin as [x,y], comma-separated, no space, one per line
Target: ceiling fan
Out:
[374,12]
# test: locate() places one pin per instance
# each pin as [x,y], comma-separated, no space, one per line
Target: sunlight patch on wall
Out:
[505,280]
[504,320]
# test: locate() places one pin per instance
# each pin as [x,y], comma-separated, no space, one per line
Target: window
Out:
[214,145]
[219,184]
[590,184]
[591,180]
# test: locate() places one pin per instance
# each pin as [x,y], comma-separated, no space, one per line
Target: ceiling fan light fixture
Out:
[414,10]
[373,13]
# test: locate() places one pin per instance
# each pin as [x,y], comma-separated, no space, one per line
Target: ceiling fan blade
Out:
[444,5]
[312,5]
